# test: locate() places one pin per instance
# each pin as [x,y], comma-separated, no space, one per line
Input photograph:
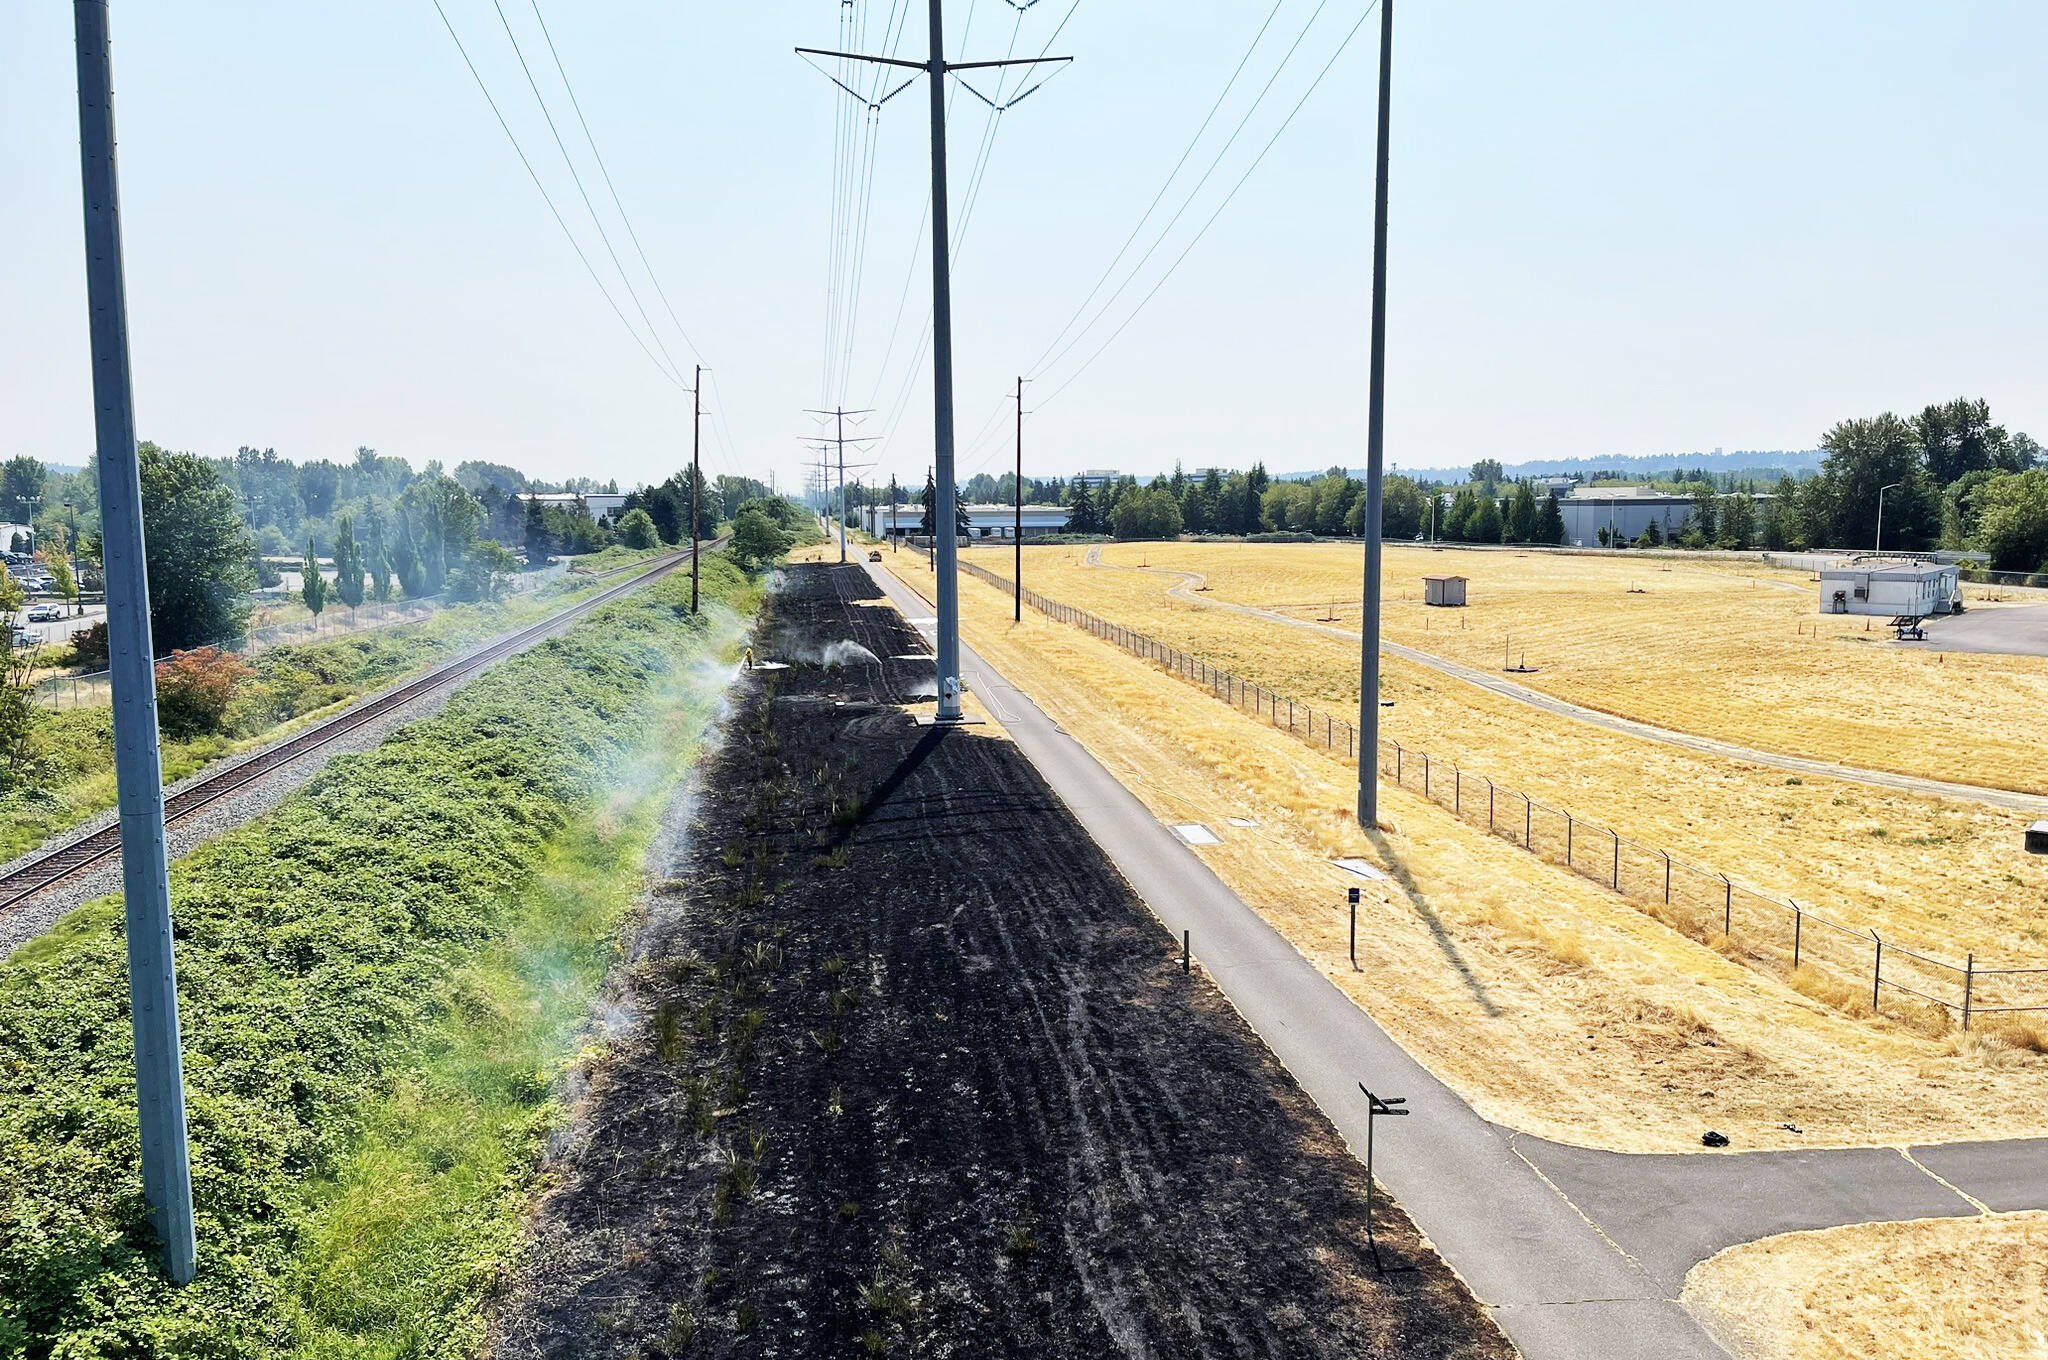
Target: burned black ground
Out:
[904,1067]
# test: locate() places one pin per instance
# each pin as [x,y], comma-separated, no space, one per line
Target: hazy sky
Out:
[1618,228]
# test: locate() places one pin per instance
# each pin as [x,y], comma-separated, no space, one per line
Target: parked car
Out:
[46,613]
[24,638]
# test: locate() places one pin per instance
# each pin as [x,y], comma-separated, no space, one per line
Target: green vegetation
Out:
[614,557]
[66,773]
[198,552]
[377,980]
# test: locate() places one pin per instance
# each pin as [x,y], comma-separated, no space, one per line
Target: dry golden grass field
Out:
[1941,874]
[1548,1002]
[1863,1293]
[1736,652]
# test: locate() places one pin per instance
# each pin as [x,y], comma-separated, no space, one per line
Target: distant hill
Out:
[1756,463]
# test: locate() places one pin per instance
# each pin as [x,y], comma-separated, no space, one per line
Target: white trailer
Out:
[1891,589]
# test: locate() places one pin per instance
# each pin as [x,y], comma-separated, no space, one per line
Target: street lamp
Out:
[1879,547]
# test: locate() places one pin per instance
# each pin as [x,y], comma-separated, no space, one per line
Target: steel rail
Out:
[66,861]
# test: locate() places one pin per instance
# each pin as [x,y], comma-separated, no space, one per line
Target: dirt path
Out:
[903,1066]
[1192,581]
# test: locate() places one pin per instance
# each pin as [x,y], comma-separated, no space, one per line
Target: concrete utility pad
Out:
[2007,632]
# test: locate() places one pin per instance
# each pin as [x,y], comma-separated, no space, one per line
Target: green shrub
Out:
[315,948]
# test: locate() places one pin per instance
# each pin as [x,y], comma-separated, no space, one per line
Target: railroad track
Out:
[47,870]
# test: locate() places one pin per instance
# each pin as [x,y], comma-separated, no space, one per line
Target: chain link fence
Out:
[1775,934]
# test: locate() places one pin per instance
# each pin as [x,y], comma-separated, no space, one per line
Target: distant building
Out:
[1894,589]
[600,504]
[1559,487]
[985,521]
[1626,512]
[1094,479]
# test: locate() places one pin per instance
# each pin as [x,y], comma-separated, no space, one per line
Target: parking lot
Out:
[2007,632]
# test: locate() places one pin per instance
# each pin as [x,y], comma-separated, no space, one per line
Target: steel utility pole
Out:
[1018,573]
[1369,678]
[138,766]
[841,413]
[945,535]
[696,478]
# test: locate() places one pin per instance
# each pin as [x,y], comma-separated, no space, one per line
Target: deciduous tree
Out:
[198,551]
[312,585]
[348,563]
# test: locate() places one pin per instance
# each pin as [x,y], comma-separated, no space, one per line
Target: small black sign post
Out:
[1354,930]
[1392,1107]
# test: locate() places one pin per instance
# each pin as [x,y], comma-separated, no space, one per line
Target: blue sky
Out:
[1618,228]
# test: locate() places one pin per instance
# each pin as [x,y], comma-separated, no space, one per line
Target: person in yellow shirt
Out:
[750,658]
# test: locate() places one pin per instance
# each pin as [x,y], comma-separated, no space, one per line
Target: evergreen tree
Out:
[348,563]
[1256,481]
[1550,521]
[929,524]
[538,542]
[1486,524]
[1081,516]
[1523,515]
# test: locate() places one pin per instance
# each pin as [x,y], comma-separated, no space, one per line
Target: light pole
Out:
[1879,546]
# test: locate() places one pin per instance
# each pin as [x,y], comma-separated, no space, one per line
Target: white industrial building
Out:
[1894,589]
[1627,512]
[600,504]
[985,521]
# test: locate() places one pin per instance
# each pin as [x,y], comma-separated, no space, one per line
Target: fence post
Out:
[1877,973]
[1457,791]
[1397,762]
[1528,823]
[1617,859]
[1727,905]
[1568,828]
[1969,986]
[1425,774]
[1667,876]
[1798,928]
[1489,807]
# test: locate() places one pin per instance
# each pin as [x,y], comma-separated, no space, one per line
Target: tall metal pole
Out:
[944,517]
[1878,547]
[1018,573]
[138,767]
[842,485]
[1369,679]
[696,479]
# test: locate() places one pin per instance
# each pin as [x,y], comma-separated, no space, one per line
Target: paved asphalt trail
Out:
[1190,581]
[1580,1253]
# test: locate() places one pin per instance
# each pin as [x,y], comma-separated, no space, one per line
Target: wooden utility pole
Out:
[1018,572]
[696,479]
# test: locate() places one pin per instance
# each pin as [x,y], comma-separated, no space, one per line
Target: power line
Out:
[1160,197]
[1228,199]
[605,170]
[588,206]
[1194,193]
[546,197]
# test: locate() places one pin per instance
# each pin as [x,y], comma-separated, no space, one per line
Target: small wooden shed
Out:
[1446,592]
